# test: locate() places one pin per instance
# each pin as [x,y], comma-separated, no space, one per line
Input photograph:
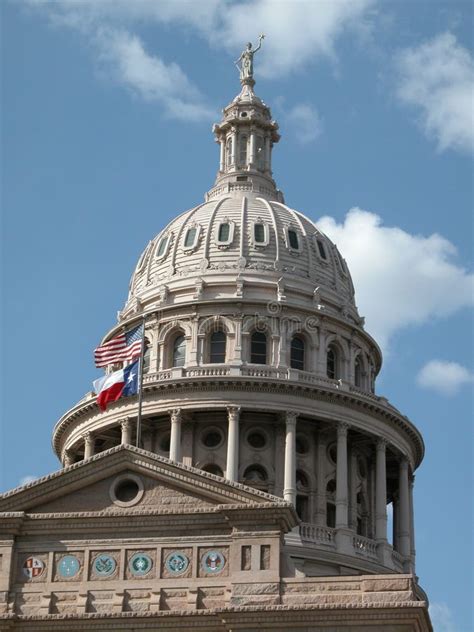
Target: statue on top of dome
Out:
[246,61]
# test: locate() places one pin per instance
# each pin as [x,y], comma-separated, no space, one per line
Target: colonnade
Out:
[343,501]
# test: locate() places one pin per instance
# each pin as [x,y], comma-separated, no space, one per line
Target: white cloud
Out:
[441,617]
[27,479]
[444,377]
[297,31]
[400,279]
[149,76]
[437,77]
[304,123]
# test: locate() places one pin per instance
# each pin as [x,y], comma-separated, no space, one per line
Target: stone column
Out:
[251,158]
[175,441]
[342,487]
[353,490]
[289,492]
[67,458]
[267,154]
[412,524]
[321,517]
[126,428]
[222,155]
[232,466]
[381,491]
[89,444]
[404,506]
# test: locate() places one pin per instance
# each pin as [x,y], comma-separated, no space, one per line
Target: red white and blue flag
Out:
[122,348]
[112,387]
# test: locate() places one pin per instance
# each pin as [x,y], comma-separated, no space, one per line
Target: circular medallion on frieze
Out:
[104,565]
[69,566]
[140,564]
[213,562]
[33,567]
[177,562]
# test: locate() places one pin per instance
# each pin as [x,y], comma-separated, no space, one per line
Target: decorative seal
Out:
[33,567]
[212,562]
[140,564]
[104,565]
[177,562]
[69,566]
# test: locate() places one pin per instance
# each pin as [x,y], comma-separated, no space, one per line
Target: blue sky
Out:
[106,135]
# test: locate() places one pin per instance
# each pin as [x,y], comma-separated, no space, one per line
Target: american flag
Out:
[124,347]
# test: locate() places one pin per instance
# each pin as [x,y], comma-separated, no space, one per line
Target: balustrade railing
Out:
[398,560]
[364,546]
[317,534]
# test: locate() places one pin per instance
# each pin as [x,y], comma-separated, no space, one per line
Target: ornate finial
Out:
[246,62]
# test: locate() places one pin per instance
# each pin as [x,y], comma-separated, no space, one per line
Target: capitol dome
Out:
[258,369]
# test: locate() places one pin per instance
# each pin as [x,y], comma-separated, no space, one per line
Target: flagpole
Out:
[140,387]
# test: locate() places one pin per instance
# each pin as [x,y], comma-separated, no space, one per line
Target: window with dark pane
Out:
[243,150]
[259,233]
[190,238]
[331,363]
[297,353]
[179,351]
[217,347]
[357,373]
[258,348]
[293,239]
[224,232]
[321,249]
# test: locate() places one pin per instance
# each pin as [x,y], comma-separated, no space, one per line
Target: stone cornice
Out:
[378,407]
[222,492]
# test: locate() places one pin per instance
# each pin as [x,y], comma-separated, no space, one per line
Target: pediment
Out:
[100,485]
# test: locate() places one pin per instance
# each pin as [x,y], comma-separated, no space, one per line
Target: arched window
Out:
[146,356]
[243,150]
[331,363]
[330,504]
[258,348]
[212,468]
[297,353]
[179,351]
[357,372]
[217,346]
[256,476]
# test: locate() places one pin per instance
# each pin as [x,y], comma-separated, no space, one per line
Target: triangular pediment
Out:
[125,478]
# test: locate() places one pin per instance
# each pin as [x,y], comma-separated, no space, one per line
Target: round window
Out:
[212,438]
[126,490]
[257,439]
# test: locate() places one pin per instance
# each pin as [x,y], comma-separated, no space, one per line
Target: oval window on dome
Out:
[191,238]
[225,233]
[321,249]
[260,234]
[163,246]
[293,239]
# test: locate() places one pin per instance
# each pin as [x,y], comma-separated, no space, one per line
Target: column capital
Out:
[291,417]
[342,429]
[233,413]
[175,414]
[124,422]
[381,444]
[88,438]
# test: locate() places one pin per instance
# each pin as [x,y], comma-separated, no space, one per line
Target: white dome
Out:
[241,236]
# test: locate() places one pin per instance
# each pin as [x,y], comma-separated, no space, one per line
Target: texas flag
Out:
[118,384]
